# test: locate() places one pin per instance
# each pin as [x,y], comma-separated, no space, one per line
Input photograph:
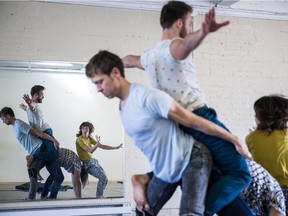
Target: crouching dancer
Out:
[151,118]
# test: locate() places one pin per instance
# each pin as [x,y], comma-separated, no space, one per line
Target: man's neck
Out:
[170,33]
[124,92]
[13,121]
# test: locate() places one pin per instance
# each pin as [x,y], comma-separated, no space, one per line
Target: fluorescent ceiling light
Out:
[60,64]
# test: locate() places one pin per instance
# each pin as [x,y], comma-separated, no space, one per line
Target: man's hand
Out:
[56,144]
[23,107]
[27,99]
[210,25]
[242,149]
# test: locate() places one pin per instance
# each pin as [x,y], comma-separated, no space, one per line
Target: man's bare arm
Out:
[181,48]
[191,120]
[43,135]
[132,61]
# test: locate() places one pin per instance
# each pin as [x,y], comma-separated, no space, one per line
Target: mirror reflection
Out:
[57,97]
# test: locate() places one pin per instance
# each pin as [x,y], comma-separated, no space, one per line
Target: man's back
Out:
[177,78]
[145,119]
[29,142]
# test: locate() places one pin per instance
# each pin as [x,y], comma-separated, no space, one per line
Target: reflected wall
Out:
[69,99]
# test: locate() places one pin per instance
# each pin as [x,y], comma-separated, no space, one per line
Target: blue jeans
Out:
[55,174]
[236,175]
[194,183]
[54,180]
[49,152]
[238,207]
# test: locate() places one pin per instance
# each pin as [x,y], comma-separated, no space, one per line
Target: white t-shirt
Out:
[36,118]
[145,120]
[177,78]
[29,142]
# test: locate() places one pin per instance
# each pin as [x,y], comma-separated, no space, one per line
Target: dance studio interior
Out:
[49,43]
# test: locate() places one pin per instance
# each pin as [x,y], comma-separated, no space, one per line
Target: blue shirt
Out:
[30,142]
[165,145]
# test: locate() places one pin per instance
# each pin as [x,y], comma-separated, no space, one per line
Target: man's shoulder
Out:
[159,45]
[146,93]
[20,125]
[141,89]
[20,122]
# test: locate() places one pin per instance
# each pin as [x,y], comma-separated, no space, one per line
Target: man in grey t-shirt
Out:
[151,118]
[27,136]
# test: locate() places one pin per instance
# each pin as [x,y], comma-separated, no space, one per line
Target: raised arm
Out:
[29,101]
[181,48]
[132,61]
[23,107]
[187,118]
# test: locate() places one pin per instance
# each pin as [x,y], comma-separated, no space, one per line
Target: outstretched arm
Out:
[189,119]
[23,107]
[132,61]
[107,147]
[181,48]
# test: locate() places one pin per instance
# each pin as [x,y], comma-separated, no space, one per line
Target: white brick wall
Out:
[238,64]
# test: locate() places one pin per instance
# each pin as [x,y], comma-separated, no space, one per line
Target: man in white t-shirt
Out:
[34,112]
[170,68]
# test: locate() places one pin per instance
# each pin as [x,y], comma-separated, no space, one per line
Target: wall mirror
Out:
[69,99]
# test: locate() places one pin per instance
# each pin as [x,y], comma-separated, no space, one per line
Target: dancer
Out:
[263,195]
[170,68]
[72,164]
[269,142]
[85,146]
[151,118]
[35,113]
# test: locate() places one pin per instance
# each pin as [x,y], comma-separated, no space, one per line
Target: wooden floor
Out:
[8,193]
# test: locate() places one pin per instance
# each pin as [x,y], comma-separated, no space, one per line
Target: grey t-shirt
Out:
[30,142]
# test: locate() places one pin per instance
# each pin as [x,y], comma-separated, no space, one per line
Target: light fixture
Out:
[42,66]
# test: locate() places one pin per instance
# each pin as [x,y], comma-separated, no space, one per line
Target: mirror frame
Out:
[59,67]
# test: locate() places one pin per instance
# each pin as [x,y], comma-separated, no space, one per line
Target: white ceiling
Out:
[265,9]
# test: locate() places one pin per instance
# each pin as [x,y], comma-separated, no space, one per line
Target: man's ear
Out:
[116,71]
[179,23]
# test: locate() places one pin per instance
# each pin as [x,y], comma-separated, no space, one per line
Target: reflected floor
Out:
[8,193]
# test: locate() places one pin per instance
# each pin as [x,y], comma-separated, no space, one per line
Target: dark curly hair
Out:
[85,124]
[272,112]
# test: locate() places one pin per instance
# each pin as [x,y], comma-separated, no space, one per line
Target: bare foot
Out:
[140,183]
[29,159]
